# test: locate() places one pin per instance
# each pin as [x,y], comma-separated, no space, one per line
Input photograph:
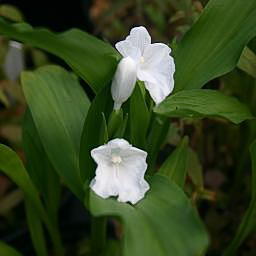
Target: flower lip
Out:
[120,171]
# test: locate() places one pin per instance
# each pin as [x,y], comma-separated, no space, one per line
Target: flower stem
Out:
[98,235]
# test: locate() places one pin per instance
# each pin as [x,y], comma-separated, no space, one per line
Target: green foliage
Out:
[200,103]
[155,225]
[213,45]
[93,59]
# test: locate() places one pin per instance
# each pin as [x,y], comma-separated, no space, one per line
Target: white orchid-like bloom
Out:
[150,63]
[120,171]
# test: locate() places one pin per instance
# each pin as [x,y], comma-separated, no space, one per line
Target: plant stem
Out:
[98,235]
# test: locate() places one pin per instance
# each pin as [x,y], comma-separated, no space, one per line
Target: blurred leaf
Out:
[36,231]
[175,166]
[10,201]
[139,118]
[6,250]
[4,99]
[200,103]
[58,106]
[247,62]
[12,166]
[248,223]
[91,131]
[94,60]
[11,12]
[39,167]
[213,45]
[155,225]
[194,169]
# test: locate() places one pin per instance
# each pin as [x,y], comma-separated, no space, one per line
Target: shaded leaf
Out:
[247,62]
[139,118]
[36,231]
[91,131]
[175,166]
[6,250]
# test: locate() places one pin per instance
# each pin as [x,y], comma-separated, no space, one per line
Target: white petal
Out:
[139,38]
[119,143]
[128,50]
[157,71]
[124,81]
[101,154]
[132,186]
[104,184]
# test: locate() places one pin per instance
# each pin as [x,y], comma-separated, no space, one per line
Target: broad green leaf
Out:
[6,250]
[248,223]
[247,62]
[139,118]
[93,59]
[175,166]
[58,106]
[200,103]
[36,230]
[163,223]
[213,45]
[39,167]
[91,137]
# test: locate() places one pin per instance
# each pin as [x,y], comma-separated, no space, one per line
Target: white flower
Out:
[150,63]
[120,171]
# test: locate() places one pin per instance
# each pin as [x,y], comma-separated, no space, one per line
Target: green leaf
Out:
[248,223]
[163,223]
[39,167]
[157,135]
[200,103]
[94,60]
[247,62]
[194,170]
[139,118]
[58,106]
[175,166]
[213,45]
[91,136]
[12,166]
[36,230]
[6,250]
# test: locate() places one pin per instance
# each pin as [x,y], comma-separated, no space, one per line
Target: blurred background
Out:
[221,149]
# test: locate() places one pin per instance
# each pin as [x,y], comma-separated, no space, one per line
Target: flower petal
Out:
[124,81]
[105,184]
[157,71]
[128,50]
[132,186]
[139,38]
